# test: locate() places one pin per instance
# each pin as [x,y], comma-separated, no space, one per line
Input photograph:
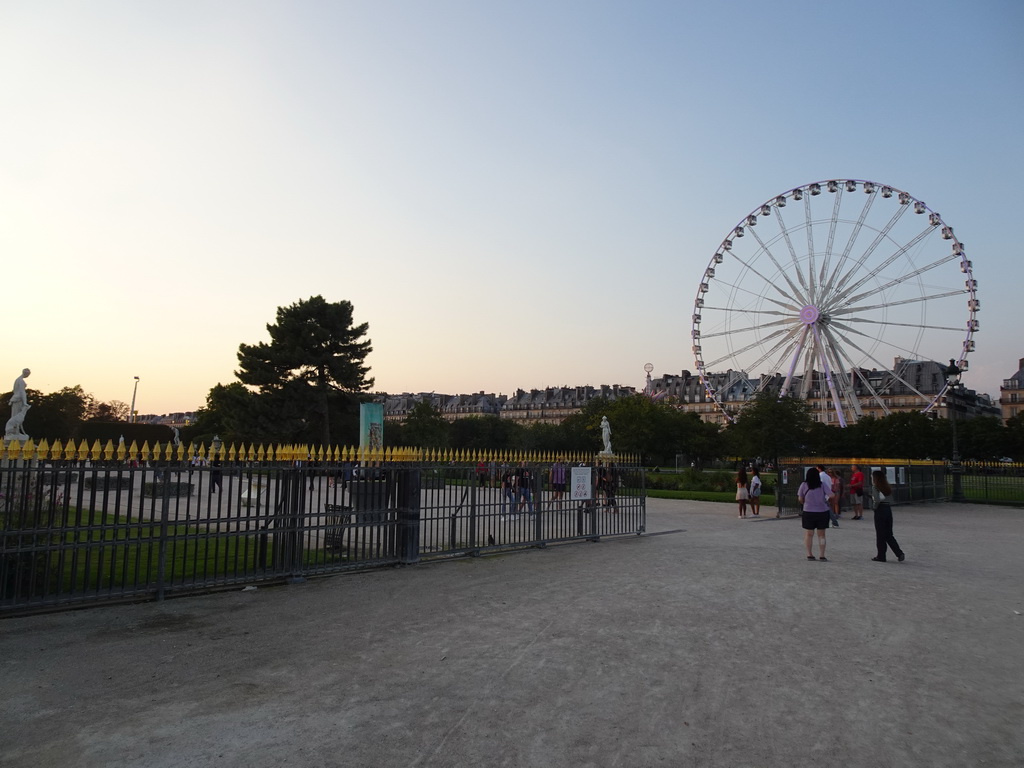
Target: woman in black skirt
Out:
[883,518]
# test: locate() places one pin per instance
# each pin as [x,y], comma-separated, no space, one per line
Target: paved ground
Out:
[715,643]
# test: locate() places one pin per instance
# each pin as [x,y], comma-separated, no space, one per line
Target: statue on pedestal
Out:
[19,407]
[606,435]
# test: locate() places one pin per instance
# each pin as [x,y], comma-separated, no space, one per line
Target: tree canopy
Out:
[314,355]
[770,427]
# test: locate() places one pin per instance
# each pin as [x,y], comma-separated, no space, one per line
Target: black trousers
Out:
[883,531]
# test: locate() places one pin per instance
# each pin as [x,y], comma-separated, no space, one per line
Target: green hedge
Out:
[173,489]
[107,482]
[692,480]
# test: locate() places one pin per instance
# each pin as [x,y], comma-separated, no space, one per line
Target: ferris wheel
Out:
[834,292]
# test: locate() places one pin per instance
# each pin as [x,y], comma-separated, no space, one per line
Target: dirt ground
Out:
[710,641]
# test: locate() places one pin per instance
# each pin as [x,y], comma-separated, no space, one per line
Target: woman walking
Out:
[816,506]
[883,518]
[742,494]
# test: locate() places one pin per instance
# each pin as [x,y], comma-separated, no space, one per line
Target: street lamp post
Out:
[955,467]
[131,416]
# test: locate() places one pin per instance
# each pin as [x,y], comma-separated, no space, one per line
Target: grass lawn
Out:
[767,500]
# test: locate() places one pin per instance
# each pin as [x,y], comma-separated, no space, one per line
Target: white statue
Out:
[606,435]
[19,407]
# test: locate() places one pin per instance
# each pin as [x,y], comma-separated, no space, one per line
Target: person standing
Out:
[742,493]
[215,476]
[611,483]
[508,491]
[837,492]
[882,494]
[755,492]
[826,482]
[524,484]
[857,492]
[557,482]
[816,505]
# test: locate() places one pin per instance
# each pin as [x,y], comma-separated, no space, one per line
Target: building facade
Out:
[909,386]
[1011,394]
[536,406]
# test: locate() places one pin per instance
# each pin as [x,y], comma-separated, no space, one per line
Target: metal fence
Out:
[990,482]
[912,481]
[83,532]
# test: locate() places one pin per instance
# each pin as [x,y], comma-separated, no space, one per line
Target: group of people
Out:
[819,495]
[516,490]
[516,485]
[749,490]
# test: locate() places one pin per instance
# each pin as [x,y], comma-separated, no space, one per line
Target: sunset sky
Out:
[511,194]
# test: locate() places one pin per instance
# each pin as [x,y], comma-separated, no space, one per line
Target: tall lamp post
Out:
[955,467]
[136,389]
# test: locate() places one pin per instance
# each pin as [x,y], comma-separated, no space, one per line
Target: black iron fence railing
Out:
[912,482]
[81,532]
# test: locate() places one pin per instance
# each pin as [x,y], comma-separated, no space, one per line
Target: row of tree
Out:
[768,427]
[68,413]
[306,384]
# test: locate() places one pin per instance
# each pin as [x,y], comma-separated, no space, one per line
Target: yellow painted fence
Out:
[110,451]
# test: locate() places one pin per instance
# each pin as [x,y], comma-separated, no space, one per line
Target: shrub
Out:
[107,483]
[156,490]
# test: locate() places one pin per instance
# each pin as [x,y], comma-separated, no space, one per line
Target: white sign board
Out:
[581,486]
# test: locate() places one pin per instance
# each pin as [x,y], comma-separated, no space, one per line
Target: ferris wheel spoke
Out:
[792,251]
[904,278]
[809,355]
[830,379]
[849,243]
[845,332]
[894,324]
[831,236]
[747,348]
[869,307]
[895,374]
[747,329]
[844,367]
[790,309]
[793,361]
[876,396]
[785,349]
[756,296]
[809,226]
[902,251]
[788,341]
[879,238]
[785,274]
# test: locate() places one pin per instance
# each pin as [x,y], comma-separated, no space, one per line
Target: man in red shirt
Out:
[857,492]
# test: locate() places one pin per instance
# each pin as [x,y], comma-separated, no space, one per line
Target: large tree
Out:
[54,416]
[425,427]
[115,410]
[315,352]
[770,427]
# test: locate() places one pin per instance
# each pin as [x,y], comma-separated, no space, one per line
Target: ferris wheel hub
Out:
[809,315]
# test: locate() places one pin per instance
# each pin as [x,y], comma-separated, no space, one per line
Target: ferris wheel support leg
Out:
[831,383]
[792,366]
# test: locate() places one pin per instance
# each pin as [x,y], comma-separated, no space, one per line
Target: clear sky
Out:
[511,194]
